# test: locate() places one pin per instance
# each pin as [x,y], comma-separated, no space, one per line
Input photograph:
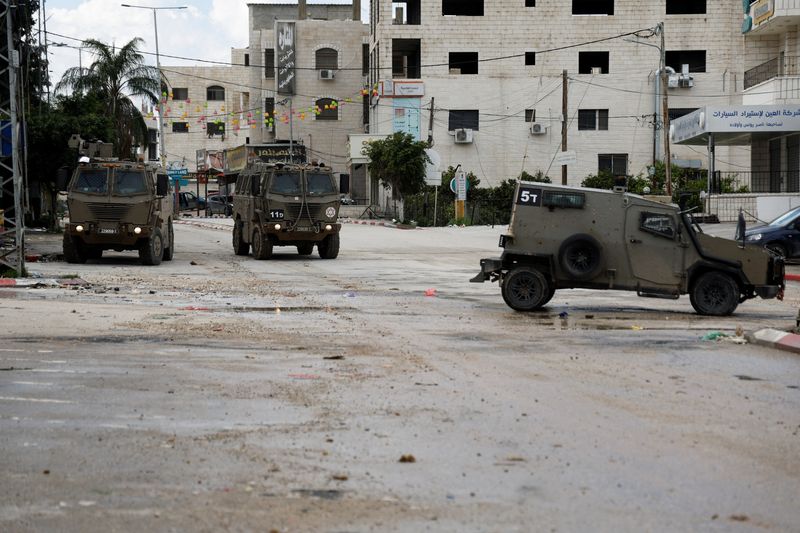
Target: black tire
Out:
[777,248]
[526,289]
[329,247]
[74,250]
[169,249]
[262,244]
[239,246]
[581,257]
[152,250]
[228,210]
[714,293]
[94,252]
[307,248]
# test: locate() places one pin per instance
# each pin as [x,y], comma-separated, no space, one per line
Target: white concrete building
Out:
[492,72]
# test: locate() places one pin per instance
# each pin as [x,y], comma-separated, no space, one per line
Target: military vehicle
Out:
[118,205]
[568,237]
[278,204]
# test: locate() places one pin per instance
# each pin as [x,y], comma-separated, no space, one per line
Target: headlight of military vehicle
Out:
[79,228]
[330,212]
[753,238]
[328,227]
[137,230]
[277,227]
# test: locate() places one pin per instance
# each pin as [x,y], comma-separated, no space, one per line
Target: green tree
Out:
[399,161]
[114,77]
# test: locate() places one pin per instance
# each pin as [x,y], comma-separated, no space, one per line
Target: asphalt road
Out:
[217,392]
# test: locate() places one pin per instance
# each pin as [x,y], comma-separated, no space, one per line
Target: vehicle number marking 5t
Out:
[529,196]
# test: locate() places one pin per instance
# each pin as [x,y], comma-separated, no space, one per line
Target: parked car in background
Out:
[189,201]
[781,236]
[219,205]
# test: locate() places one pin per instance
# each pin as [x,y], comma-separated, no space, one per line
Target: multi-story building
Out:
[487,76]
[221,107]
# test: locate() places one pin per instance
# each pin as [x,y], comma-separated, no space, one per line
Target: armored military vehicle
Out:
[567,237]
[118,205]
[277,204]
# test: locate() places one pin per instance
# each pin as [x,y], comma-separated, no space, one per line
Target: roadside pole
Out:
[564,113]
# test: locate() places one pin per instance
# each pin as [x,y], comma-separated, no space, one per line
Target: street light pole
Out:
[162,149]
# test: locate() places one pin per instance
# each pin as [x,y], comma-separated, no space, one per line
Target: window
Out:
[327,59]
[696,59]
[575,200]
[215,128]
[530,58]
[686,7]
[94,180]
[616,164]
[285,183]
[592,119]
[465,118]
[463,62]
[269,63]
[657,224]
[592,7]
[530,115]
[406,58]
[587,61]
[326,110]
[464,8]
[269,113]
[180,127]
[365,59]
[215,93]
[180,93]
[675,113]
[247,60]
[406,12]
[319,183]
[129,182]
[530,3]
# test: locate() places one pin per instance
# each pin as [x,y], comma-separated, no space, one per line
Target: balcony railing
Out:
[765,181]
[779,66]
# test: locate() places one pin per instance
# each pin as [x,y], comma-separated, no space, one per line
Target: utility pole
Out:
[665,112]
[564,113]
[291,131]
[430,125]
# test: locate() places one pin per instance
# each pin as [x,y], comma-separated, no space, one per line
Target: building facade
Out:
[483,80]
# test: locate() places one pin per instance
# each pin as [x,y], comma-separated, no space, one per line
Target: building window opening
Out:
[463,118]
[327,59]
[180,93]
[614,164]
[530,58]
[677,112]
[590,62]
[463,8]
[215,93]
[592,119]
[686,7]
[530,3]
[407,12]
[592,7]
[269,63]
[327,109]
[180,127]
[696,59]
[247,60]
[463,62]
[215,128]
[406,54]
[269,113]
[530,115]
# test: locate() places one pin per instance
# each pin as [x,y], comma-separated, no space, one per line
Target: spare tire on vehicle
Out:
[581,257]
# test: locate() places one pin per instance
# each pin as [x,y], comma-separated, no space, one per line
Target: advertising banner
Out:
[285,32]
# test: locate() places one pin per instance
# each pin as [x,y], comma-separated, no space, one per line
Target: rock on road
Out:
[217,392]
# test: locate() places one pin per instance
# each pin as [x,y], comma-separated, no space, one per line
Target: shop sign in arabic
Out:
[286,56]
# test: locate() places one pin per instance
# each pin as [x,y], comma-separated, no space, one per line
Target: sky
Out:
[206,29]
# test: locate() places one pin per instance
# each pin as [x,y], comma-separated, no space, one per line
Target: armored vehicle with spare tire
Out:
[569,237]
[277,204]
[118,205]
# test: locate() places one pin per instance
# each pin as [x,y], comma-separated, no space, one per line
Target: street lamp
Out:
[162,151]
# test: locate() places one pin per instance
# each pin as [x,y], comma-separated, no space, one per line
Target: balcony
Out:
[774,16]
[777,81]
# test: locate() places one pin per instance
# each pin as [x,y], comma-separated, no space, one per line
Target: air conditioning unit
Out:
[686,82]
[537,128]
[327,74]
[463,136]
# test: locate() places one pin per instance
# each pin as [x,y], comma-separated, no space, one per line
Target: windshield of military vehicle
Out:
[285,183]
[319,183]
[92,180]
[129,182]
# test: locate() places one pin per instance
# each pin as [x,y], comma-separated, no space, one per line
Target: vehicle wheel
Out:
[74,251]
[94,252]
[152,250]
[239,246]
[526,289]
[329,247]
[228,210]
[581,257]
[306,248]
[169,249]
[262,245]
[714,293]
[776,248]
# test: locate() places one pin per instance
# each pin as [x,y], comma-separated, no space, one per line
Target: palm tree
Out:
[115,76]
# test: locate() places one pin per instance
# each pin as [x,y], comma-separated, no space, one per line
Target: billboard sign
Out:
[285,32]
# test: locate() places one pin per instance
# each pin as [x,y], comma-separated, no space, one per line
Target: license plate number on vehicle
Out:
[108,230]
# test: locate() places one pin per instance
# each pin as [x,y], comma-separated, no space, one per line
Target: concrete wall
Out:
[503,89]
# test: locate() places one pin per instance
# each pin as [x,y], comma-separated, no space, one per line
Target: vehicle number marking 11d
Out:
[276,213]
[529,196]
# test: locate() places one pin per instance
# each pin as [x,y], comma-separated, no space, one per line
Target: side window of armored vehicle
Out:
[319,183]
[285,183]
[129,182]
[657,224]
[574,200]
[243,184]
[92,180]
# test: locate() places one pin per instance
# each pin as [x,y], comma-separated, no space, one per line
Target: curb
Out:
[791,277]
[773,338]
[28,282]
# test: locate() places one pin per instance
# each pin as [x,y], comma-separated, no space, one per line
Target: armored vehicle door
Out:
[653,243]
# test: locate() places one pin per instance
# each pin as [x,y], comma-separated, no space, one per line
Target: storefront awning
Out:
[735,125]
